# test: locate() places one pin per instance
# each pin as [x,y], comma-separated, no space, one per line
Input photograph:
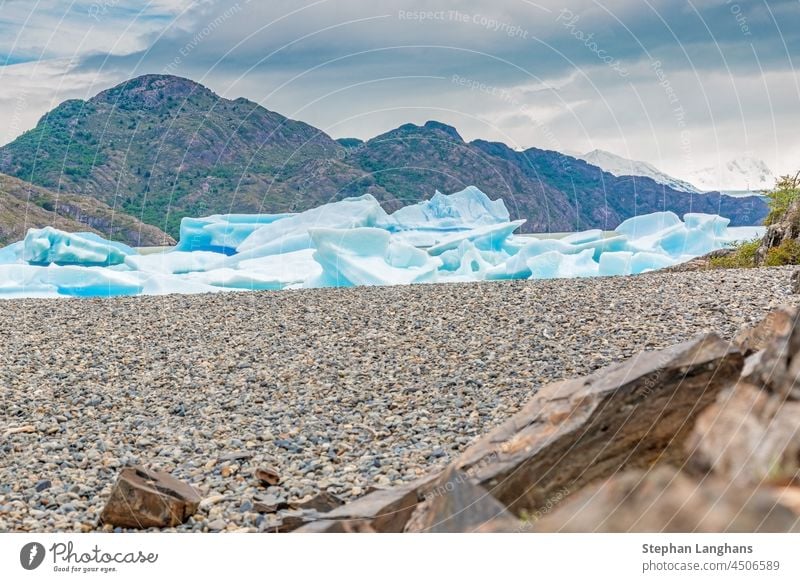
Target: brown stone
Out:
[268,475]
[142,498]
[269,504]
[321,502]
[753,338]
[748,436]
[292,519]
[632,414]
[454,505]
[777,367]
[383,511]
[669,501]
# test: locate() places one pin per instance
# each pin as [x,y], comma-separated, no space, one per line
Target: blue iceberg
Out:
[464,236]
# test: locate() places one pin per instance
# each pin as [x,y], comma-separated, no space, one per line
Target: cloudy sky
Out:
[681,84]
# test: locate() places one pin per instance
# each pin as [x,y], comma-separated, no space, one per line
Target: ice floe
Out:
[450,238]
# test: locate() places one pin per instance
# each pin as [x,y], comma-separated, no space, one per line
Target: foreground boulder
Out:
[632,414]
[667,500]
[776,367]
[143,498]
[749,437]
[455,505]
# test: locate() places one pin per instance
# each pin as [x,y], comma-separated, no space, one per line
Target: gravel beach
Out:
[339,389]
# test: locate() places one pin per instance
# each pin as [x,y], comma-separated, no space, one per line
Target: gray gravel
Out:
[340,389]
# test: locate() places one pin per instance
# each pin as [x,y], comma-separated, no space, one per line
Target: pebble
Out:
[336,390]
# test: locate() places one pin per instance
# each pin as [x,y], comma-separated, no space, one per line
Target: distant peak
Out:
[150,91]
[443,127]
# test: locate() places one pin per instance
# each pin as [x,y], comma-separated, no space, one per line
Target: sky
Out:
[684,85]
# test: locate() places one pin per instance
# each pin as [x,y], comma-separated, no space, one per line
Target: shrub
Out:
[786,253]
[786,191]
[743,256]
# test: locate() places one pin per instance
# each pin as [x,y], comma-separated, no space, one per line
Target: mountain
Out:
[739,175]
[619,166]
[24,206]
[162,147]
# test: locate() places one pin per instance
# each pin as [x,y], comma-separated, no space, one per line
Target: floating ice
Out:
[48,245]
[292,233]
[461,237]
[221,233]
[368,256]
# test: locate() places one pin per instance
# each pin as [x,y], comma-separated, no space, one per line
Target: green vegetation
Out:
[742,257]
[786,191]
[786,253]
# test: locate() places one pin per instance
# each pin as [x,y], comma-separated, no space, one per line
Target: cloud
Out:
[570,75]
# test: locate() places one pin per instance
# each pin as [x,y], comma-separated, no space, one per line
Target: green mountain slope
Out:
[162,147]
[24,206]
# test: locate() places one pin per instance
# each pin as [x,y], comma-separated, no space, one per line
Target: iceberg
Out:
[488,238]
[175,262]
[47,245]
[221,233]
[555,265]
[463,236]
[293,233]
[368,256]
[270,273]
[462,210]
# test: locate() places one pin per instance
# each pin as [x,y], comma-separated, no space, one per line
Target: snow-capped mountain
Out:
[619,166]
[742,174]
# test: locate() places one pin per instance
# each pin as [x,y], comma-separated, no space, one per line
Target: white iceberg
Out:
[368,256]
[292,233]
[221,233]
[459,237]
[43,246]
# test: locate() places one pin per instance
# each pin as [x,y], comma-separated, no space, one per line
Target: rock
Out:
[235,456]
[756,337]
[322,502]
[42,485]
[211,501]
[28,428]
[269,504]
[784,229]
[749,437]
[454,505]
[268,475]
[383,511]
[217,525]
[143,498]
[631,414]
[669,501]
[292,519]
[777,368]
[796,281]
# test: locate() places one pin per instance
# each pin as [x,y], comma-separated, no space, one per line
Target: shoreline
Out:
[339,389]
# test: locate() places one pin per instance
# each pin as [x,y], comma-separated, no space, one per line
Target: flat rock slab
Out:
[666,500]
[776,367]
[749,436]
[143,498]
[571,433]
[454,505]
